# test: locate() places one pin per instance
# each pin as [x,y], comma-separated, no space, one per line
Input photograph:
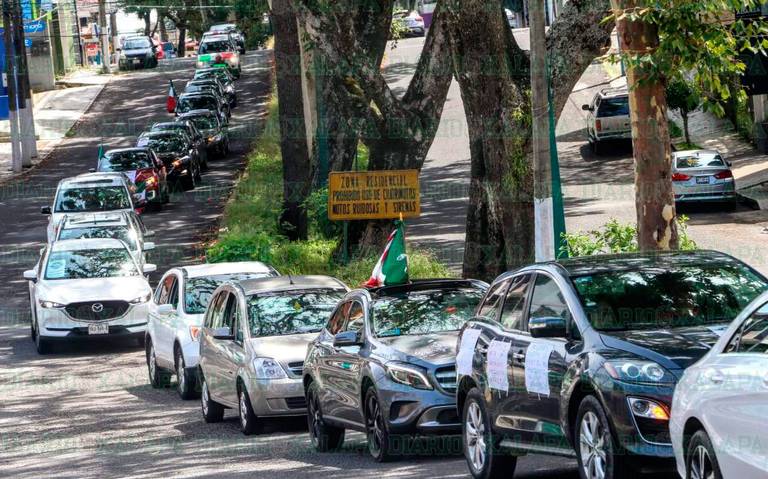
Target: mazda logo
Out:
[97,307]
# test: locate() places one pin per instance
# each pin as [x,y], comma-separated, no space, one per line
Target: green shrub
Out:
[241,247]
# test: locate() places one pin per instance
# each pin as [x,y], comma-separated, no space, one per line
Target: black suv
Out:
[384,364]
[191,130]
[582,356]
[209,124]
[179,154]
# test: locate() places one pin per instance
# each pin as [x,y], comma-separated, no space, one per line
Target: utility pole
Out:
[203,15]
[104,38]
[79,35]
[542,168]
[10,73]
[24,93]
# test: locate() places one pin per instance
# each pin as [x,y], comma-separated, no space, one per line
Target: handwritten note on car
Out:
[496,366]
[537,368]
[466,351]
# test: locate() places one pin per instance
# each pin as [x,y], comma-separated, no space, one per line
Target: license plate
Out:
[702,180]
[101,328]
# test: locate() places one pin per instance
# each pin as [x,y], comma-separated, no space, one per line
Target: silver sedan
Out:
[702,176]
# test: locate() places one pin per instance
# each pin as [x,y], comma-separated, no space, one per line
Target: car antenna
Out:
[290,279]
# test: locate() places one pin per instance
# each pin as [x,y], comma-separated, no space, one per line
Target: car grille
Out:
[296,368]
[97,310]
[296,403]
[446,379]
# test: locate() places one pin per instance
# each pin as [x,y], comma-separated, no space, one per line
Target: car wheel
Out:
[324,437]
[376,429]
[42,345]
[595,147]
[212,411]
[141,341]
[484,459]
[249,424]
[157,377]
[185,379]
[597,452]
[701,461]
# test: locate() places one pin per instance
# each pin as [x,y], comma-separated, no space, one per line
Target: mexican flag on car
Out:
[392,267]
[170,104]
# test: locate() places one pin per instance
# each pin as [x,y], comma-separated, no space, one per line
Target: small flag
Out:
[392,267]
[170,104]
[101,151]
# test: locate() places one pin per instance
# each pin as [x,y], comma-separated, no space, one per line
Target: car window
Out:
[92,263]
[493,300]
[700,161]
[216,311]
[173,293]
[122,233]
[230,310]
[198,291]
[356,320]
[161,293]
[339,316]
[94,198]
[547,300]
[171,143]
[237,321]
[205,122]
[512,313]
[216,46]
[137,43]
[752,336]
[291,312]
[613,107]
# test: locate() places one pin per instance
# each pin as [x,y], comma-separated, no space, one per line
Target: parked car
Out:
[608,117]
[106,225]
[168,50]
[191,130]
[209,124]
[211,85]
[137,52]
[202,101]
[176,317]
[702,176]
[237,35]
[582,356]
[221,51]
[177,152]
[253,344]
[412,22]
[87,289]
[225,78]
[384,364]
[144,169]
[87,193]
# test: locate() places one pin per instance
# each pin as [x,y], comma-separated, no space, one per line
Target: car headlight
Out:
[408,375]
[141,299]
[50,304]
[214,137]
[637,371]
[648,409]
[194,332]
[268,368]
[229,89]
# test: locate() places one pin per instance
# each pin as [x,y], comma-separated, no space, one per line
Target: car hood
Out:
[673,348]
[95,289]
[433,348]
[285,349]
[137,51]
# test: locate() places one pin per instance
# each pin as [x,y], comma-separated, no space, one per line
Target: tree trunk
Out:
[685,127]
[297,173]
[163,31]
[182,47]
[654,196]
[147,23]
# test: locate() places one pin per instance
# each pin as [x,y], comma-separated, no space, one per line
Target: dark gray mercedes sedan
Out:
[384,364]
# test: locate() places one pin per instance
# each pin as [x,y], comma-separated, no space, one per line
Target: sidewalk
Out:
[56,112]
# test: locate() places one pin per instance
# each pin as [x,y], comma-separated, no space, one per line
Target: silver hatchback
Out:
[702,176]
[253,344]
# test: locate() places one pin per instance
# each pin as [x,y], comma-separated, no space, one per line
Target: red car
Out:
[146,171]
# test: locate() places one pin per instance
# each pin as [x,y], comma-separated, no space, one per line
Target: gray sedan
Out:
[253,343]
[702,176]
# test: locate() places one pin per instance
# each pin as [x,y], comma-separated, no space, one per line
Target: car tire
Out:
[700,457]
[249,423]
[596,149]
[42,345]
[141,341]
[595,444]
[186,380]
[323,436]
[484,459]
[157,377]
[376,428]
[212,411]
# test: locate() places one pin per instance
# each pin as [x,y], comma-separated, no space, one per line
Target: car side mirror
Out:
[165,309]
[46,210]
[347,338]
[223,333]
[586,107]
[149,246]
[729,164]
[30,274]
[149,268]
[548,327]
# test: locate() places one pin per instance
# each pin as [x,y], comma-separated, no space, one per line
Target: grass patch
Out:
[744,124]
[683,146]
[250,228]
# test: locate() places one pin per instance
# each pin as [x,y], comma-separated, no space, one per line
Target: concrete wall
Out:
[40,62]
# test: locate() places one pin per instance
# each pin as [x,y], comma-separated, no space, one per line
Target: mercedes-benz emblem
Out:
[97,307]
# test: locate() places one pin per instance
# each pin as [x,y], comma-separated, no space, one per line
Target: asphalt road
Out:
[87,410]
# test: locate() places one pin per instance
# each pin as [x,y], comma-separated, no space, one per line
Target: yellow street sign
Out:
[372,195]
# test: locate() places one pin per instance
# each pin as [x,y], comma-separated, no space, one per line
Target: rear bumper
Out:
[622,135]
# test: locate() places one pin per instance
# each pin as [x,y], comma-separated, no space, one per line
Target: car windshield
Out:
[424,312]
[123,233]
[168,127]
[125,161]
[163,144]
[703,161]
[670,297]
[197,103]
[137,43]
[91,263]
[92,198]
[291,312]
[216,46]
[198,291]
[613,107]
[204,122]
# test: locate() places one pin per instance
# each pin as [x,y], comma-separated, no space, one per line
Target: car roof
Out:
[425,285]
[174,124]
[213,269]
[87,220]
[290,283]
[215,37]
[82,244]
[126,150]
[196,95]
[197,112]
[696,153]
[158,133]
[613,92]
[93,179]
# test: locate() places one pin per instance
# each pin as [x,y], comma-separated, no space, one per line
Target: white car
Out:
[89,288]
[719,422]
[89,193]
[176,316]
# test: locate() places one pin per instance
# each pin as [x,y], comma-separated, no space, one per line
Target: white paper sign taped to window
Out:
[496,365]
[466,351]
[537,368]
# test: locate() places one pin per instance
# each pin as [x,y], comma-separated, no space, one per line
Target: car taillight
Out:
[146,175]
[680,177]
[724,174]
[598,125]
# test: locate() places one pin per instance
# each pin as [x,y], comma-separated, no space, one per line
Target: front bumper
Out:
[55,323]
[135,62]
[416,411]
[277,397]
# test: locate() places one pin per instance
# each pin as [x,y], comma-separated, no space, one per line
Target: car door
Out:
[351,361]
[326,371]
[163,324]
[226,369]
[539,366]
[210,349]
[234,350]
